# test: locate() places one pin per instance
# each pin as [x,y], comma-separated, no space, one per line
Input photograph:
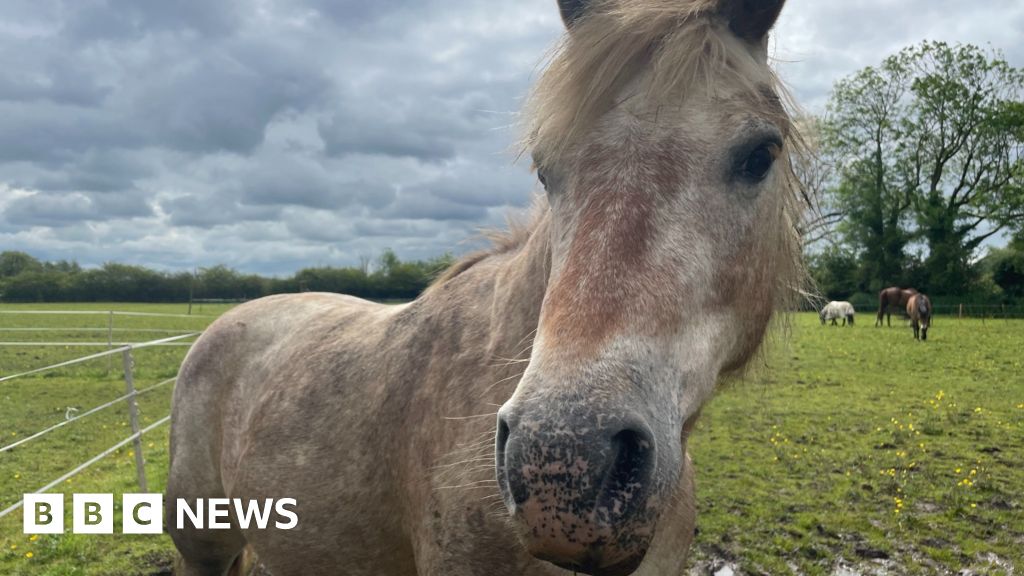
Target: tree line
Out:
[918,169]
[24,278]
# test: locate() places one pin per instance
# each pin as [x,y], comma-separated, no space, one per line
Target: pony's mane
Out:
[519,228]
[688,46]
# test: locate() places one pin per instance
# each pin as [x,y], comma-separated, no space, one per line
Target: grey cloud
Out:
[318,225]
[54,135]
[46,76]
[477,184]
[224,99]
[425,206]
[96,170]
[91,20]
[57,210]
[404,123]
[209,210]
[290,181]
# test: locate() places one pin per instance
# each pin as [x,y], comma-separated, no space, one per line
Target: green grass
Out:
[806,464]
[30,404]
[862,446]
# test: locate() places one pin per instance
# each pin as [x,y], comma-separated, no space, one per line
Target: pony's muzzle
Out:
[577,484]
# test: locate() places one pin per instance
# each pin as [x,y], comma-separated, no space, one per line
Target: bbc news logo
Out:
[144,514]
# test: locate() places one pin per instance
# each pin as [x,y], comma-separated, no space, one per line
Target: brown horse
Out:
[919,308]
[892,296]
[600,328]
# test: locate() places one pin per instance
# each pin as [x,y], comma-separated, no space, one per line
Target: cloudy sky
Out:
[270,135]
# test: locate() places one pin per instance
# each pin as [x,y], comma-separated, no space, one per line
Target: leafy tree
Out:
[965,128]
[861,131]
[35,286]
[1007,266]
[934,137]
[223,282]
[13,263]
[835,272]
[63,281]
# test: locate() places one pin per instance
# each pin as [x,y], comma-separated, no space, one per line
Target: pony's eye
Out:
[759,162]
[543,180]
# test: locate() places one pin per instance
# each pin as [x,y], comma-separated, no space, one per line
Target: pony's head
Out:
[924,314]
[660,136]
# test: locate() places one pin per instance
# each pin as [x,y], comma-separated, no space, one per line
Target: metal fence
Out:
[129,398]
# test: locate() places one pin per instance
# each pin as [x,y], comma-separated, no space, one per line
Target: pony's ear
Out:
[751,19]
[572,10]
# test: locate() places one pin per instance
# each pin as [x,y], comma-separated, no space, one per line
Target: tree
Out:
[966,127]
[13,263]
[28,279]
[835,272]
[861,132]
[1007,267]
[933,137]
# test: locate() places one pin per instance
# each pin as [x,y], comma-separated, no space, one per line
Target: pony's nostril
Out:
[500,463]
[632,462]
[501,440]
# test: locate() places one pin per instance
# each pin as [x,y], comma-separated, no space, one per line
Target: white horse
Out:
[835,310]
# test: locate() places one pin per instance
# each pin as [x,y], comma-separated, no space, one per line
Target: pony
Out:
[892,296]
[529,413]
[919,308]
[835,310]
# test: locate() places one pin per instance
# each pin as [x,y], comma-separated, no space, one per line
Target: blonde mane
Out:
[686,45]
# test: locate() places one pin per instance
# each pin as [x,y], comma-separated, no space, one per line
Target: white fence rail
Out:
[109,328]
[111,352]
[129,397]
[103,313]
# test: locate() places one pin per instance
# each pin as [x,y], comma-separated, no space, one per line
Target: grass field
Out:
[860,446]
[853,451]
[30,404]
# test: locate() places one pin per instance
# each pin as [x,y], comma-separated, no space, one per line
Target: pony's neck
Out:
[519,282]
[489,305]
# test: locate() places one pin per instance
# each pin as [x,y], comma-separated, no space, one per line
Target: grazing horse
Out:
[649,272]
[919,308]
[835,310]
[892,296]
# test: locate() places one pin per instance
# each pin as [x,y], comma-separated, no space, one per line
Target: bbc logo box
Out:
[93,514]
[144,514]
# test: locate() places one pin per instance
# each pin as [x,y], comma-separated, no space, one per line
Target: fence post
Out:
[133,416]
[110,339]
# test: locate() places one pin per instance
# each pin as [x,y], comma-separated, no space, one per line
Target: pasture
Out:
[854,448]
[33,403]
